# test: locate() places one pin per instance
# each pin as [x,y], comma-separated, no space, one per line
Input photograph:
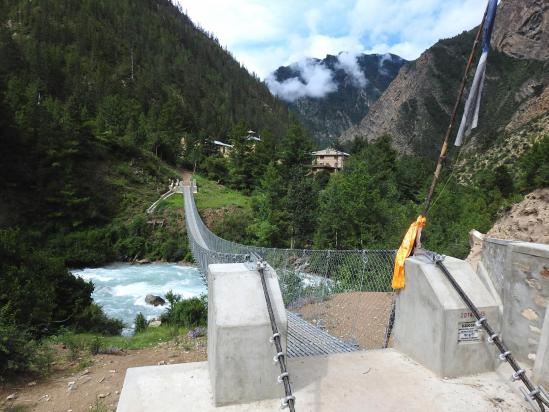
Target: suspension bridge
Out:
[338,306]
[310,278]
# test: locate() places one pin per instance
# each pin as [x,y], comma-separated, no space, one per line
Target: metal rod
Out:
[444,147]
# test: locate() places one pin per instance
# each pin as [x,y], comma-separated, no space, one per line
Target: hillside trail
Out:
[98,386]
[187,176]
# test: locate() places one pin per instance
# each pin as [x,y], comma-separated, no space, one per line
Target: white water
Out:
[121,288]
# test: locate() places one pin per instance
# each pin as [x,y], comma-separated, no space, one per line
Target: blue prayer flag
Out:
[472,105]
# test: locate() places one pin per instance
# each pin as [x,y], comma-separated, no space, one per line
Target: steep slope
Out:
[521,29]
[526,220]
[415,108]
[354,83]
[94,96]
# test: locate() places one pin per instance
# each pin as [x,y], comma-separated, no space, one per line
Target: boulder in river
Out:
[154,300]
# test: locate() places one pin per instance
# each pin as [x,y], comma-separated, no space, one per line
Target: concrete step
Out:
[376,381]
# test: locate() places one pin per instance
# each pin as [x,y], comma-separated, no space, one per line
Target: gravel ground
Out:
[98,386]
[359,317]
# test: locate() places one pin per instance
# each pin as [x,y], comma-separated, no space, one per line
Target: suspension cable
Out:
[280,357]
[444,147]
[537,394]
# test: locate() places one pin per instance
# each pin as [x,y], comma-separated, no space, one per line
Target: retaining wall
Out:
[519,273]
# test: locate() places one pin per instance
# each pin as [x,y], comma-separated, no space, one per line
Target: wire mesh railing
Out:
[347,293]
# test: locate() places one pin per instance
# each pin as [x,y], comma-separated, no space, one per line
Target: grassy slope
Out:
[214,196]
[174,202]
[150,337]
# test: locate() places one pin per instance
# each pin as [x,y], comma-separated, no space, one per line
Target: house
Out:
[224,148]
[328,159]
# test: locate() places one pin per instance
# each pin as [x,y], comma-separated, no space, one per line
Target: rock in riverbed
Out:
[154,300]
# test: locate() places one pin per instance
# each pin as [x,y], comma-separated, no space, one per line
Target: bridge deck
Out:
[305,339]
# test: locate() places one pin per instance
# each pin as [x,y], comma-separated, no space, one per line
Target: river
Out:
[121,288]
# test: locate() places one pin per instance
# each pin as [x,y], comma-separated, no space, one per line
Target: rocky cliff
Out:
[335,93]
[521,29]
[416,106]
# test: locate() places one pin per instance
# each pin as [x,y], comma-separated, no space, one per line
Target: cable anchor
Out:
[530,397]
[278,356]
[272,338]
[480,321]
[280,378]
[285,401]
[438,257]
[516,375]
[503,356]
[261,265]
[491,338]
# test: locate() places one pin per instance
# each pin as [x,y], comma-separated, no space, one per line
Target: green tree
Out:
[534,166]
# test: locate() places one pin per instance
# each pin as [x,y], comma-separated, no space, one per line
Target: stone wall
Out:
[519,272]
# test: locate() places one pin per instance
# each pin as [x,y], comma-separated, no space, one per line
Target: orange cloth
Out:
[404,251]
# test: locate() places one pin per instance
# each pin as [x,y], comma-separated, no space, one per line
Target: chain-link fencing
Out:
[346,293]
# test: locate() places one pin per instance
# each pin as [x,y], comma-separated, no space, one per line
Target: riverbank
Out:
[80,381]
[121,288]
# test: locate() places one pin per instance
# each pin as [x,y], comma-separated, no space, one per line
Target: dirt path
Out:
[186,175]
[100,383]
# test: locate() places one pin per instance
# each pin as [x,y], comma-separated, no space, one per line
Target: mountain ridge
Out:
[328,107]
[416,106]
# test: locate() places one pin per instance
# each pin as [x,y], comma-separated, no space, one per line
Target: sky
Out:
[266,34]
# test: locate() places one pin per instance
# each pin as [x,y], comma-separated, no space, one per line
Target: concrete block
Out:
[434,326]
[240,356]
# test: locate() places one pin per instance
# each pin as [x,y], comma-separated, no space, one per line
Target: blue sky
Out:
[266,34]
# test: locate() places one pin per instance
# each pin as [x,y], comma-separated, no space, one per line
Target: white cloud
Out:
[347,62]
[315,80]
[265,34]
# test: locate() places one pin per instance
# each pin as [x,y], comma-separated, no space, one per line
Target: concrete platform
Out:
[378,380]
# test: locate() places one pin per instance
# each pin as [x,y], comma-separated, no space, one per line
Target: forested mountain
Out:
[86,84]
[415,108]
[340,89]
[95,98]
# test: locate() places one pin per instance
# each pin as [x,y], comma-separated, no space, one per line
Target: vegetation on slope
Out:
[371,203]
[94,100]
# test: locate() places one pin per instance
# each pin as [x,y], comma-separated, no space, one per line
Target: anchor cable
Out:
[505,355]
[280,357]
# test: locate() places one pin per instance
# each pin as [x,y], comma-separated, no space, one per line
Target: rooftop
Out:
[219,143]
[330,152]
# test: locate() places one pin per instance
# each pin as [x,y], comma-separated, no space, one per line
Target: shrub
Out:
[19,353]
[14,345]
[96,345]
[187,312]
[93,319]
[534,166]
[140,323]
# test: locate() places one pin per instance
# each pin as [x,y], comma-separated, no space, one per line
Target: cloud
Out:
[264,35]
[313,80]
[347,61]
